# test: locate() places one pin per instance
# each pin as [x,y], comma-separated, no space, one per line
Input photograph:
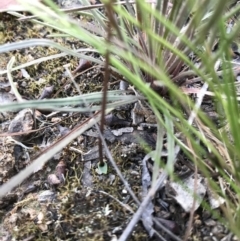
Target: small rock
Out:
[23,122]
[206,215]
[210,222]
[124,191]
[53,180]
[217,229]
[46,196]
[235,238]
[205,231]
[117,229]
[8,200]
[207,239]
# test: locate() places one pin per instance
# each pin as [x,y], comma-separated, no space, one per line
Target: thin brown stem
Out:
[106,79]
[190,223]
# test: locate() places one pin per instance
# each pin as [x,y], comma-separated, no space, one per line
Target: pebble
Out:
[46,196]
[217,229]
[210,222]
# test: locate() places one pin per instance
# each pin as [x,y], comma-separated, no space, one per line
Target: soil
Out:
[67,199]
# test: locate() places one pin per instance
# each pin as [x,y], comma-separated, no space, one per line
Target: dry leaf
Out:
[184,192]
[47,92]
[83,65]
